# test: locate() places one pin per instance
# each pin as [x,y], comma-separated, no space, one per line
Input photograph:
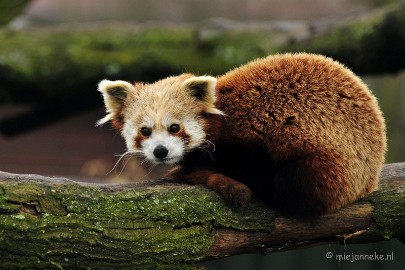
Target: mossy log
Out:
[55,223]
[56,69]
[66,62]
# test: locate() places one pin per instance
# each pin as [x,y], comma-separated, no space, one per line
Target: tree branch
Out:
[56,223]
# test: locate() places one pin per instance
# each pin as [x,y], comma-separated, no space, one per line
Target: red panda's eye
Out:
[174,128]
[146,131]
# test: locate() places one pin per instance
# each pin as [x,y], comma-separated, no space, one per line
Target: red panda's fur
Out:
[300,131]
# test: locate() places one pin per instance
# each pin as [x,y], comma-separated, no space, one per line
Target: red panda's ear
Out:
[203,88]
[114,94]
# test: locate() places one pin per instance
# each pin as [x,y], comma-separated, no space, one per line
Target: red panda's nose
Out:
[160,152]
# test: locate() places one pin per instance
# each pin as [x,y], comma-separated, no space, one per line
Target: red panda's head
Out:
[164,120]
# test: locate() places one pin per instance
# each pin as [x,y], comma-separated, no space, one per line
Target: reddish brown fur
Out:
[302,131]
[182,134]
[138,141]
[212,126]
[118,121]
[230,189]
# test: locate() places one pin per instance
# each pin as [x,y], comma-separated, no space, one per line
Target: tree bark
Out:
[56,223]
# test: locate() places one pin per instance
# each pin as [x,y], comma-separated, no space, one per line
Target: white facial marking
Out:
[148,122]
[173,144]
[196,132]
[161,138]
[166,121]
[129,132]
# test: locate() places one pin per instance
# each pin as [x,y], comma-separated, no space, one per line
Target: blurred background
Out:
[54,52]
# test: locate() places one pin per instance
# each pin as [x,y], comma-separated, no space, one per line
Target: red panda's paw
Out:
[232,191]
[237,195]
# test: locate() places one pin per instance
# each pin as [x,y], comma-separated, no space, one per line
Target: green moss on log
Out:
[389,205]
[48,223]
[145,227]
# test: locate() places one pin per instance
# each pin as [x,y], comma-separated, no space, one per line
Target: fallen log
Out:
[55,69]
[58,62]
[56,223]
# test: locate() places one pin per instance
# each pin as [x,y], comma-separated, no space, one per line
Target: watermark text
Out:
[352,257]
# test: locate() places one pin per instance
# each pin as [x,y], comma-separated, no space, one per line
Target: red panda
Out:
[298,131]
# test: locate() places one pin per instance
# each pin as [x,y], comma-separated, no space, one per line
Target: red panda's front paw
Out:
[238,195]
[234,192]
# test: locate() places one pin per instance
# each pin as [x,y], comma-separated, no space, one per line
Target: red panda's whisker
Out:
[121,156]
[203,149]
[208,142]
[126,157]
